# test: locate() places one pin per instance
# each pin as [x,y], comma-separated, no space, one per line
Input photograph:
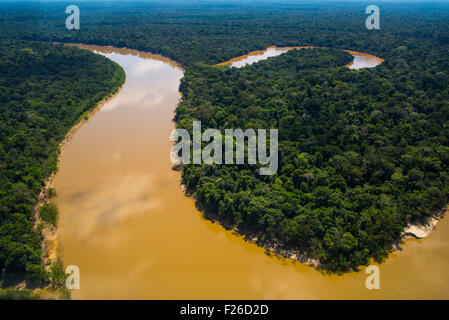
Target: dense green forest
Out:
[362,153]
[44,90]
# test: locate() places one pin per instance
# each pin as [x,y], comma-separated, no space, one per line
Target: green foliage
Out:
[51,192]
[36,275]
[57,275]
[49,213]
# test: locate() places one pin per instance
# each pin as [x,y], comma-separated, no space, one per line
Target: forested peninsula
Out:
[45,89]
[361,154]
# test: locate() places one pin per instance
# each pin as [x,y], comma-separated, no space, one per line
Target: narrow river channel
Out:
[126,223]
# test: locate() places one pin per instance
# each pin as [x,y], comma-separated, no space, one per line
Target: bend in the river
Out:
[126,223]
[361,60]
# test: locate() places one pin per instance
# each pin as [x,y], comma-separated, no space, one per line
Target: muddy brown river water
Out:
[126,223]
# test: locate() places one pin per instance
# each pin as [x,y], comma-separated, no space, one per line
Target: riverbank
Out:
[251,235]
[49,232]
[420,231]
[412,231]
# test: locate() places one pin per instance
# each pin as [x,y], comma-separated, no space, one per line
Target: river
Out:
[126,223]
[361,60]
